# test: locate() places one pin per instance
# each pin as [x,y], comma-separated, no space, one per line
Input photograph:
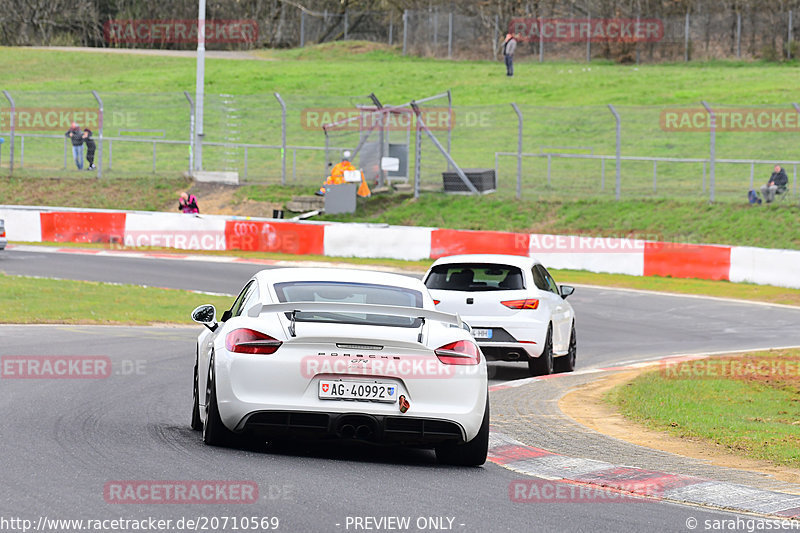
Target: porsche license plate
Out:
[482,333]
[371,391]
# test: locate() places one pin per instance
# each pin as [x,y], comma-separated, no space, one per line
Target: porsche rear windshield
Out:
[355,293]
[474,277]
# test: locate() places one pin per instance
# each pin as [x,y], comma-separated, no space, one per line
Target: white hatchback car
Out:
[513,305]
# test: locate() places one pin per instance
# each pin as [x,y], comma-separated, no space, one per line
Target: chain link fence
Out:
[540,152]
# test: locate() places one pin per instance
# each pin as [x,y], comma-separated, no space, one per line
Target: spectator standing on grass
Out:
[90,147]
[509,47]
[76,136]
[776,180]
[188,203]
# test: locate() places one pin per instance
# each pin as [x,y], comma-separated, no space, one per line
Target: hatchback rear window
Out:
[473,277]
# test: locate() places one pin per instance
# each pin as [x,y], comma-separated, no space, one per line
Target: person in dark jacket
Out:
[75,135]
[90,147]
[509,47]
[188,203]
[777,180]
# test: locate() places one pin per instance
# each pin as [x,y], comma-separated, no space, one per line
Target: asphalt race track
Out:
[64,440]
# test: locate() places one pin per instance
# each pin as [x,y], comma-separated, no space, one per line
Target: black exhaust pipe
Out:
[364,432]
[347,431]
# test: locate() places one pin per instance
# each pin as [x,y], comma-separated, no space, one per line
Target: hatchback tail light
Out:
[529,303]
[249,341]
[459,353]
[3,233]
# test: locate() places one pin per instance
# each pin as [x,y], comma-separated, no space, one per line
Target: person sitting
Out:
[337,176]
[778,180]
[188,203]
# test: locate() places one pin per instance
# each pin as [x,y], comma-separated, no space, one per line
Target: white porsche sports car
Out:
[347,354]
[513,305]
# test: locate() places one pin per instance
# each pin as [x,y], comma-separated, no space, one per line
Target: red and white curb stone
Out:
[530,461]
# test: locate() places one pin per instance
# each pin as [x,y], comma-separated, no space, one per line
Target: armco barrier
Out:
[453,242]
[687,260]
[272,236]
[211,232]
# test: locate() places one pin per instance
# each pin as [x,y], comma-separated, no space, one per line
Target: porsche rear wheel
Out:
[472,453]
[543,365]
[214,431]
[197,422]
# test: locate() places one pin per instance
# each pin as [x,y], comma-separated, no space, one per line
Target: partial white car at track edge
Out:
[345,354]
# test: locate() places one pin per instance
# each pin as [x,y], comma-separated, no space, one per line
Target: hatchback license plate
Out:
[482,333]
[371,391]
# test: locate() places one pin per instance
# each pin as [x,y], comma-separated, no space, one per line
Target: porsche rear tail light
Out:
[245,340]
[3,233]
[459,353]
[529,303]
[436,302]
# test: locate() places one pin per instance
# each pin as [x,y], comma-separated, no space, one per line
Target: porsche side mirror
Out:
[566,290]
[205,314]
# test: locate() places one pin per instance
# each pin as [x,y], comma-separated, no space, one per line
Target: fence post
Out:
[541,41]
[738,34]
[655,176]
[100,139]
[495,37]
[603,174]
[589,40]
[283,137]
[154,157]
[713,148]
[417,156]
[345,24]
[110,153]
[245,164]
[191,133]
[752,173]
[686,38]
[450,35]
[435,31]
[636,44]
[405,31]
[450,126]
[11,124]
[391,26]
[789,40]
[619,151]
[22,151]
[519,150]
[302,29]
[65,153]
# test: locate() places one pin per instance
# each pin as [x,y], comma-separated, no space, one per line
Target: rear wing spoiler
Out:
[337,307]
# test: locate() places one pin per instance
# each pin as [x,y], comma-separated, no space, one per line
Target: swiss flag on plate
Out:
[324,387]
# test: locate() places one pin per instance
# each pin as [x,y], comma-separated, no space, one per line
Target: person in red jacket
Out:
[188,203]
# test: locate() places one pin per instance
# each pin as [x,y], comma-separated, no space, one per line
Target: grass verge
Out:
[748,404]
[27,300]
